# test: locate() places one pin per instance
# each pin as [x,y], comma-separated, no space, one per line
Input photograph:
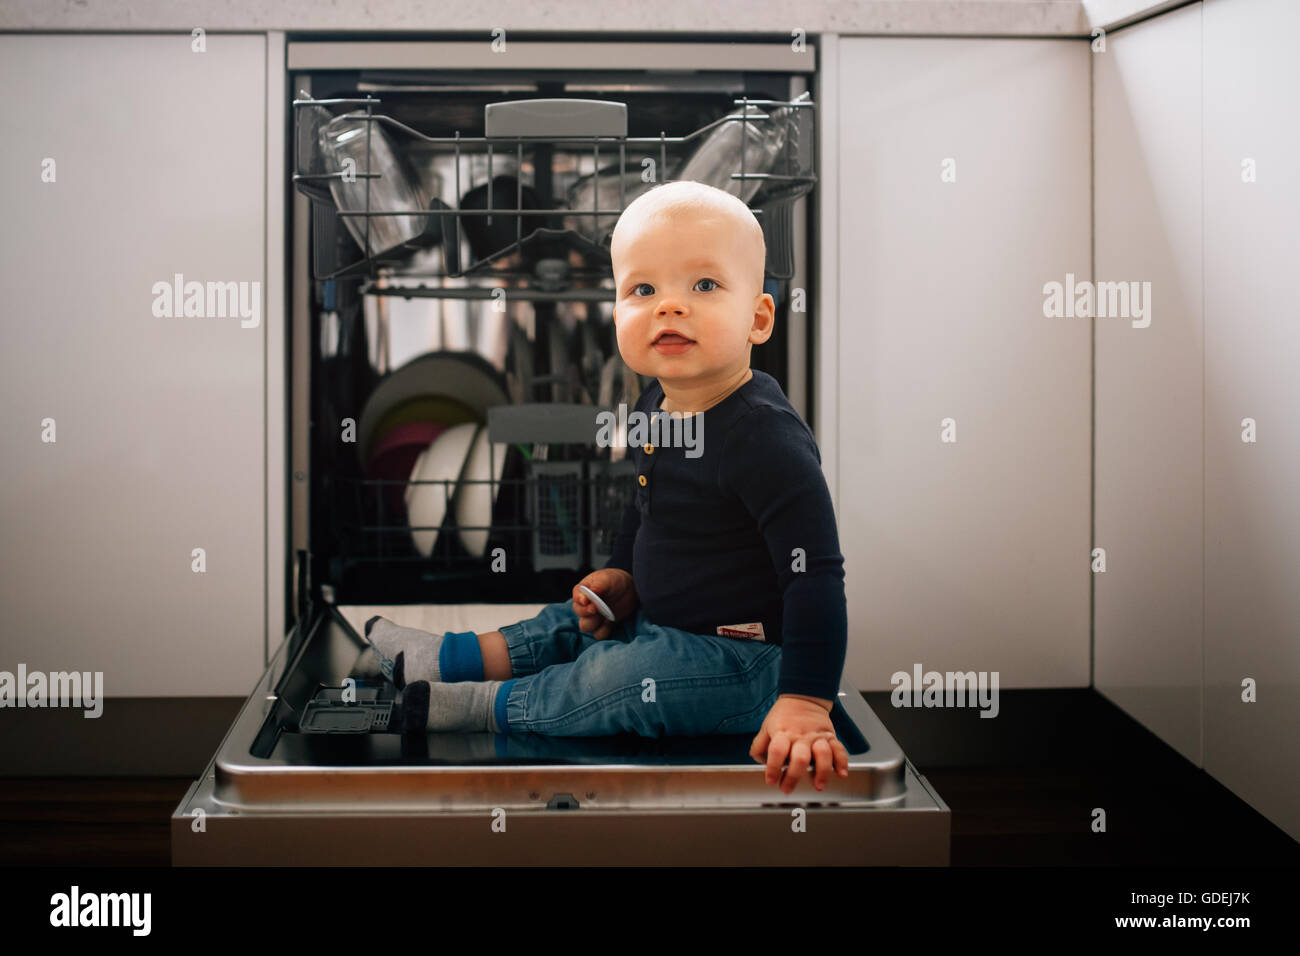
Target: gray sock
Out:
[418,650]
[463,707]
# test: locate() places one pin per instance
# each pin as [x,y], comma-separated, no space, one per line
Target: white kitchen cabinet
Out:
[1252,353]
[1201,527]
[1150,399]
[966,555]
[160,159]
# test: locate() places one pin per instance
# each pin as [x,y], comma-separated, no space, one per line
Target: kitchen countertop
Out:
[847,17]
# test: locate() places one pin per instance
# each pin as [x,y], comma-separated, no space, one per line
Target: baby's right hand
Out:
[615,588]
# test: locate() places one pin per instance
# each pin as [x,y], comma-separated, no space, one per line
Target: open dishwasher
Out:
[453,347]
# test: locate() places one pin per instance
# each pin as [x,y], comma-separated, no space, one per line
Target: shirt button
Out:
[648,449]
[641,480]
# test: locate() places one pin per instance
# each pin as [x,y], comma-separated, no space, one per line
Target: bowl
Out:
[601,191]
[487,239]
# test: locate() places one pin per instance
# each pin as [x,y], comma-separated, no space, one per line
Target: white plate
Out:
[474,501]
[443,461]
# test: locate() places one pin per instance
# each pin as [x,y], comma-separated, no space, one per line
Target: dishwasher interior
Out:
[457,347]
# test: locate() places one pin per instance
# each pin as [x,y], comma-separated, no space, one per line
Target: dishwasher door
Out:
[314,772]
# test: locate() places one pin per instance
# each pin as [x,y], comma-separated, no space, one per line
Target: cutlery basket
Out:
[555,513]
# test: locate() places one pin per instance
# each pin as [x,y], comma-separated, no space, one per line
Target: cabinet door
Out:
[973,554]
[1147,133]
[1252,350]
[156,160]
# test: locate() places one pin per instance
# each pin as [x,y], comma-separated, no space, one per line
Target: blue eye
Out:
[707,280]
[639,285]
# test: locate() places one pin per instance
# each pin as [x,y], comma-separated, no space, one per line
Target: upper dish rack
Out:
[458,206]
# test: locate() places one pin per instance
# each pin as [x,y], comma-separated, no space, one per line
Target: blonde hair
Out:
[661,202]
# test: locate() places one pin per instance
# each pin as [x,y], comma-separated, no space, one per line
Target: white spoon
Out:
[601,606]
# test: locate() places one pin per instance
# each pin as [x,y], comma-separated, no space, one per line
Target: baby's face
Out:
[696,274]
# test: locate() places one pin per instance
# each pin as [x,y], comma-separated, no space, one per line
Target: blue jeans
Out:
[643,679]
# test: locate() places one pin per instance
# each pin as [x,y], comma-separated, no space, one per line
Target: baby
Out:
[726,580]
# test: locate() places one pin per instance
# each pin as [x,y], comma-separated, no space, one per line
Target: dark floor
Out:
[1021,788]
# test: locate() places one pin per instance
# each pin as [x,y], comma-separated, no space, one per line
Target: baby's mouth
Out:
[672,338]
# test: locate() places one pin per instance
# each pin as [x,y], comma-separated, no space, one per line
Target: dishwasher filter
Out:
[347,710]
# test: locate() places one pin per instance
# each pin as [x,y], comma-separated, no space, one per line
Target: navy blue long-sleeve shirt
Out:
[740,529]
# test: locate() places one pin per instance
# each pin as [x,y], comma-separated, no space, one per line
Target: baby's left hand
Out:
[801,729]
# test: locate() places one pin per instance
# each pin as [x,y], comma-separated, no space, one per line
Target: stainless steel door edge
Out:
[915,833]
[876,777]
